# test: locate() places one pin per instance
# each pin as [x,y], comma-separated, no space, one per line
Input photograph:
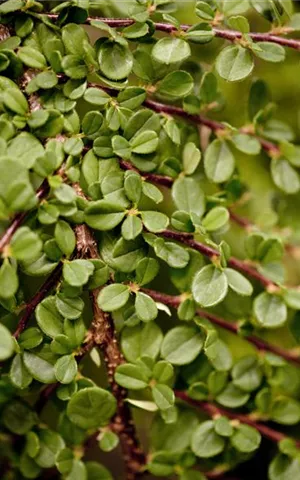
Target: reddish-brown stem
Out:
[18,220]
[215,126]
[174,301]
[230,35]
[49,284]
[213,410]
[241,221]
[242,266]
[151,177]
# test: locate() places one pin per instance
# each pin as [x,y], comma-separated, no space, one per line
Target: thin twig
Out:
[214,410]
[175,301]
[45,289]
[215,126]
[242,266]
[231,35]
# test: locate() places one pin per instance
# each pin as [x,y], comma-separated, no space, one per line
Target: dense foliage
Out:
[118,187]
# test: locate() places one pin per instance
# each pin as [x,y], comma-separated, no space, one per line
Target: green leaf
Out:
[172,254]
[155,221]
[206,443]
[92,122]
[115,60]
[170,50]
[77,272]
[163,396]
[51,443]
[30,338]
[133,186]
[131,376]
[15,101]
[270,311]
[232,397]
[182,345]
[146,270]
[216,218]
[69,307]
[143,339]
[145,307]
[65,369]
[223,427]
[109,441]
[7,345]
[219,162]
[219,355]
[25,149]
[285,176]
[91,407]
[200,33]
[234,63]
[46,80]
[235,7]
[18,417]
[48,317]
[41,369]
[283,467]
[191,157]
[246,439]
[121,147]
[246,143]
[103,215]
[152,192]
[18,374]
[11,6]
[239,23]
[163,372]
[176,84]
[210,286]
[238,283]
[15,186]
[97,471]
[285,411]
[113,297]
[100,275]
[188,196]
[9,281]
[246,373]
[32,444]
[96,96]
[25,244]
[271,52]
[144,142]
[74,37]
[205,11]
[31,57]
[131,227]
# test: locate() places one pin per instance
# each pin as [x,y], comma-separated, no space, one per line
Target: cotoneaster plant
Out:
[120,184]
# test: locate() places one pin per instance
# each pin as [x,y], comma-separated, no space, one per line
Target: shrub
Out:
[126,252]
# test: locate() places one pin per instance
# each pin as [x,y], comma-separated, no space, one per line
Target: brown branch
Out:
[213,410]
[242,266]
[103,334]
[151,177]
[215,126]
[175,301]
[49,284]
[230,35]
